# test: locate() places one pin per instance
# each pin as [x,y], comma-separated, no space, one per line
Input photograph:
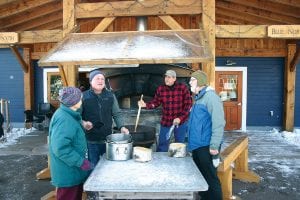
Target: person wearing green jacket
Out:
[69,166]
[205,133]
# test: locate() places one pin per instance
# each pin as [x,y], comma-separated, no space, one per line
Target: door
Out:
[229,87]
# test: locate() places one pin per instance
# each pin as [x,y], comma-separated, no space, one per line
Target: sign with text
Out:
[9,37]
[284,31]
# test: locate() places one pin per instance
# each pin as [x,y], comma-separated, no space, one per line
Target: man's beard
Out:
[193,89]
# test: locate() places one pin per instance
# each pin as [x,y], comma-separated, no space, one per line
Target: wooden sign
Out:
[284,31]
[9,37]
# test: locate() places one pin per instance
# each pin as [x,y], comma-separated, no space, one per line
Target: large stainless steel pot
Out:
[118,147]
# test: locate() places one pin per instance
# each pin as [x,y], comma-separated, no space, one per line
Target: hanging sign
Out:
[9,37]
[284,31]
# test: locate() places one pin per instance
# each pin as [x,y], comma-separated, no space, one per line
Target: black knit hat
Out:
[94,73]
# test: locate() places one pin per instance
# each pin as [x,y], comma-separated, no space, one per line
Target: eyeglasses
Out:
[192,79]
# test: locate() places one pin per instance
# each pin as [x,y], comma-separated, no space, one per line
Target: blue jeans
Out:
[179,135]
[95,151]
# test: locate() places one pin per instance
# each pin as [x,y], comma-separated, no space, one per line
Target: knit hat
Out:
[170,73]
[69,96]
[94,73]
[201,77]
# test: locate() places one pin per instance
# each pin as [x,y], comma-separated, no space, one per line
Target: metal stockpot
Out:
[118,147]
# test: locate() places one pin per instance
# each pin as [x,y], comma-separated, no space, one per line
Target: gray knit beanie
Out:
[94,73]
[69,96]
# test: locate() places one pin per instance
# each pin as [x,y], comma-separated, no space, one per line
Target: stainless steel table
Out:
[163,177]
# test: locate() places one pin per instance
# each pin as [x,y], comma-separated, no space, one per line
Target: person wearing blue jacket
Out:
[205,133]
[69,166]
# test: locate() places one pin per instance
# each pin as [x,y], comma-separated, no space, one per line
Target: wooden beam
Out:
[69,24]
[31,37]
[56,24]
[232,152]
[104,24]
[21,6]
[62,73]
[209,27]
[223,19]
[245,16]
[292,3]
[138,8]
[69,21]
[270,6]
[29,25]
[19,58]
[3,2]
[43,11]
[290,77]
[241,31]
[28,81]
[239,52]
[37,55]
[171,22]
[296,59]
[263,14]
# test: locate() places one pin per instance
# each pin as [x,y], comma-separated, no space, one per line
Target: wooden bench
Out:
[237,153]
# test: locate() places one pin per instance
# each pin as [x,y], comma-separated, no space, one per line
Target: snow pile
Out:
[13,135]
[290,137]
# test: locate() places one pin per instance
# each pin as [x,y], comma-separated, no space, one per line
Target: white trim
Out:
[244,89]
[47,70]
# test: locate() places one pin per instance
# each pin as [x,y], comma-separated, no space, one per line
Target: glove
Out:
[86,165]
[216,160]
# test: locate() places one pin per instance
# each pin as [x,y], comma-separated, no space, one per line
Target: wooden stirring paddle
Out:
[138,115]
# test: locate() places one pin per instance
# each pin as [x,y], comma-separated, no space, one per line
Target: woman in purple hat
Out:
[69,165]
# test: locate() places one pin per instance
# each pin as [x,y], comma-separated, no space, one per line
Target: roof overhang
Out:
[132,47]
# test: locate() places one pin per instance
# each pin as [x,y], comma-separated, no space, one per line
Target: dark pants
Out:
[203,160]
[70,193]
[179,135]
[1,131]
[95,151]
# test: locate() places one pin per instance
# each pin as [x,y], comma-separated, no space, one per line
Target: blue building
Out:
[264,88]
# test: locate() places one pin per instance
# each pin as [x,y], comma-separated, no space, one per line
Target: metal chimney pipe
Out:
[141,23]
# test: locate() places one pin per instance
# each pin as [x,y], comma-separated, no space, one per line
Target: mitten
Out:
[86,165]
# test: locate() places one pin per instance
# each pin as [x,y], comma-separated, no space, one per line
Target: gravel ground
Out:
[19,164]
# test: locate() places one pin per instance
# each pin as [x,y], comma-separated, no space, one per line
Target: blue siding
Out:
[297,97]
[264,91]
[12,84]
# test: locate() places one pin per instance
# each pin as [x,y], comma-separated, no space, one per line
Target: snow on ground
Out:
[279,149]
[290,137]
[12,136]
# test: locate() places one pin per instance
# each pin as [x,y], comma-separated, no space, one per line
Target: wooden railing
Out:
[235,165]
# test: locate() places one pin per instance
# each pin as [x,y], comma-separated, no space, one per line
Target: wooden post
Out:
[208,20]
[236,152]
[289,90]
[69,24]
[28,81]
[226,183]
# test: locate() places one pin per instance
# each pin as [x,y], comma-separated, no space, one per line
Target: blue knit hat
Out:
[69,96]
[94,73]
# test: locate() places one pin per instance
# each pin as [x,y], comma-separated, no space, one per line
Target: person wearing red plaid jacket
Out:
[176,102]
